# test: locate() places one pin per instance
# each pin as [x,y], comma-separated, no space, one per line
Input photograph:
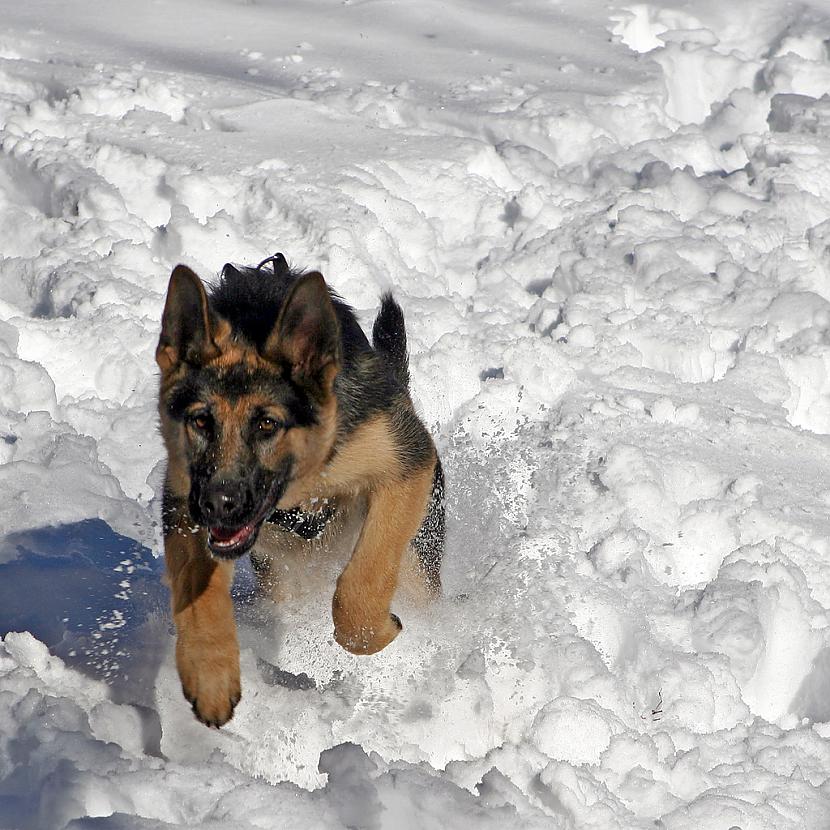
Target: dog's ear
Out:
[306,335]
[187,326]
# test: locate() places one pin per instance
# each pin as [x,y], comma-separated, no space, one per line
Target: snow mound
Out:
[609,231]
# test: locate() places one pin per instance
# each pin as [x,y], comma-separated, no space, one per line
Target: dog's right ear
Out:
[187,326]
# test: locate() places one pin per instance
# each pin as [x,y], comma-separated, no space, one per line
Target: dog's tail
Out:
[389,338]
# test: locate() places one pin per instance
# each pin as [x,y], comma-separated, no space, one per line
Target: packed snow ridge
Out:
[609,228]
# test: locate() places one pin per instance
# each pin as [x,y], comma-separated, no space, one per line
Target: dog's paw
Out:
[367,638]
[213,711]
[212,691]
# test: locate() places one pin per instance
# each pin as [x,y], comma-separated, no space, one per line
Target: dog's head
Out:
[245,424]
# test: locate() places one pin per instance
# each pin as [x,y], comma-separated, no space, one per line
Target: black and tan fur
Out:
[277,413]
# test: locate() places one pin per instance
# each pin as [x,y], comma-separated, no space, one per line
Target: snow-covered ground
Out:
[609,227]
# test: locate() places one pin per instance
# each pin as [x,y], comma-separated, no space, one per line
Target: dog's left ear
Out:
[306,335]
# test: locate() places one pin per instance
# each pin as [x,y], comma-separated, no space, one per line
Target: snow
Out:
[609,230]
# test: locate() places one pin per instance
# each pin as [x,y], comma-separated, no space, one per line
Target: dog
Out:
[278,416]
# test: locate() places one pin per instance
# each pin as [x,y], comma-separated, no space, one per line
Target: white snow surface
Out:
[609,228]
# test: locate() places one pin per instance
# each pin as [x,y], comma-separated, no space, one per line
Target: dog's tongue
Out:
[227,537]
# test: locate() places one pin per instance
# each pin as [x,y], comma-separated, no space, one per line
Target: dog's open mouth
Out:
[225,542]
[231,542]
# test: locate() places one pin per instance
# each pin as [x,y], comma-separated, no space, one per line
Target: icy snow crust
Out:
[609,230]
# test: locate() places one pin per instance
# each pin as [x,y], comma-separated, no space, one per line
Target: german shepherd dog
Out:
[277,415]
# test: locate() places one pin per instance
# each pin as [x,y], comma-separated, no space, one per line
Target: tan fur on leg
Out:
[207,652]
[363,623]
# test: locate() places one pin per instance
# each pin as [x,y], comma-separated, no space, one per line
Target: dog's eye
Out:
[267,426]
[200,421]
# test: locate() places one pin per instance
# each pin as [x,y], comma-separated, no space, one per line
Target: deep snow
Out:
[609,228]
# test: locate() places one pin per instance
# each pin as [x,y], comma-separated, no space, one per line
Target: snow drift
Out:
[609,231]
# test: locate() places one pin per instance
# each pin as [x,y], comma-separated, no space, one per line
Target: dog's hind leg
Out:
[363,623]
[428,543]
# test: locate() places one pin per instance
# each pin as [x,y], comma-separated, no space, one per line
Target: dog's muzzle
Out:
[232,519]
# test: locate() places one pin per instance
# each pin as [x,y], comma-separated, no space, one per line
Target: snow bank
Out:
[609,233]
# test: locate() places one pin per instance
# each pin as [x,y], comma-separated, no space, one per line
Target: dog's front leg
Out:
[207,651]
[363,623]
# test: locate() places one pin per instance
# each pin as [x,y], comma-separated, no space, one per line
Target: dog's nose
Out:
[222,503]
